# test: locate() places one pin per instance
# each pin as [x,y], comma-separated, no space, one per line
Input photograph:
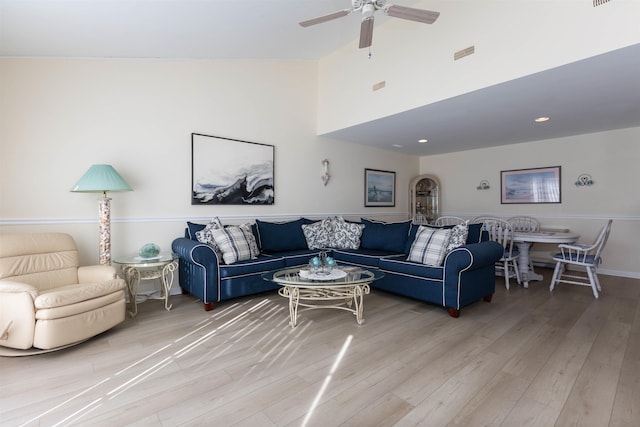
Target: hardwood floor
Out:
[528,358]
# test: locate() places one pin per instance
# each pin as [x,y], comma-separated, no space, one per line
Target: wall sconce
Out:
[484,185]
[584,180]
[325,172]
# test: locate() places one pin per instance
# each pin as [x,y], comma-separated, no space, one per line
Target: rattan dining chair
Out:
[501,231]
[581,255]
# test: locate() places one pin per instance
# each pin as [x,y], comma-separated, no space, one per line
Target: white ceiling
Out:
[600,93]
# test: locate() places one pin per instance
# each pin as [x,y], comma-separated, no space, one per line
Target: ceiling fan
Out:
[368,8]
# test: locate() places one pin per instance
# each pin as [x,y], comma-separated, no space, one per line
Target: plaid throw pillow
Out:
[429,246]
[236,243]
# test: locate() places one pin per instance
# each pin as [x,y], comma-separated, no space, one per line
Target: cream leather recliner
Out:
[46,300]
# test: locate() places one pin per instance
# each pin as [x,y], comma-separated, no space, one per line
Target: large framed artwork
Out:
[539,185]
[379,188]
[230,172]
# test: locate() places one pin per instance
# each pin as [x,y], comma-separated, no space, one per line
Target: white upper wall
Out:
[58,117]
[512,39]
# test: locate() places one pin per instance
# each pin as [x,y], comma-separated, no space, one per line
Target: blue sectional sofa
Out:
[467,273]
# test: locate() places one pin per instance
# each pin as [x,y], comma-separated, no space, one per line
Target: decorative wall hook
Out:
[484,185]
[583,180]
[325,172]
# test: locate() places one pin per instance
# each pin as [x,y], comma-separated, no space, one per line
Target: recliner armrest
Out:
[96,273]
[13,287]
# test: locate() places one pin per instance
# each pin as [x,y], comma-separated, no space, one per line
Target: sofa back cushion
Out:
[192,229]
[282,236]
[385,236]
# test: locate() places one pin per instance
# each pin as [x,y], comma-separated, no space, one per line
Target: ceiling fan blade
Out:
[412,14]
[366,32]
[325,18]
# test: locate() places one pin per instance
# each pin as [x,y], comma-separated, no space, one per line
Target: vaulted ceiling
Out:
[595,94]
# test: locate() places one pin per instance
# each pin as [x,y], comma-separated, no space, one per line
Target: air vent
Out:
[464,52]
[600,2]
[379,85]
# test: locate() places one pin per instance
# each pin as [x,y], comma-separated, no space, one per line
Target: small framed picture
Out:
[539,185]
[379,188]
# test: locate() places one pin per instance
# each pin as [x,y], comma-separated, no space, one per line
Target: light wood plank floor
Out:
[528,358]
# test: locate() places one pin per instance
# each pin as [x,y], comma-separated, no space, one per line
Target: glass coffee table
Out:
[343,288]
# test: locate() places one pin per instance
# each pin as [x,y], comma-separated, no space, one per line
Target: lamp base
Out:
[104,222]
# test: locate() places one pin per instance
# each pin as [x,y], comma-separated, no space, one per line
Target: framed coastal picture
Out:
[539,185]
[379,188]
[230,172]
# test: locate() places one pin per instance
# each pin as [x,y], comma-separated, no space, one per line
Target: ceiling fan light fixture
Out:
[367,10]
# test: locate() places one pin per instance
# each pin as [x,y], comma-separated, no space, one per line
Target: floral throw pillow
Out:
[346,235]
[458,237]
[429,246]
[205,235]
[318,234]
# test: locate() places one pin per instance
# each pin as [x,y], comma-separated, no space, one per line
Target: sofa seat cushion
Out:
[410,268]
[72,294]
[261,264]
[296,258]
[91,305]
[363,257]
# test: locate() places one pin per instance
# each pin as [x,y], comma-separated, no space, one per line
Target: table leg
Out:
[132,277]
[526,274]
[294,300]
[359,292]
[167,282]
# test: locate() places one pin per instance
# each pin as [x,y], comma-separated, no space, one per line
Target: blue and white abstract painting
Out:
[231,172]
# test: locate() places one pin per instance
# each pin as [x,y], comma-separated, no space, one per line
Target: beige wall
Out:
[611,158]
[58,117]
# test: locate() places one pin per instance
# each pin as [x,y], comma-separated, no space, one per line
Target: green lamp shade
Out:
[101,178]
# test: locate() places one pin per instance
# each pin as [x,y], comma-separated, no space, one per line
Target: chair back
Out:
[500,231]
[601,241]
[43,260]
[448,220]
[525,224]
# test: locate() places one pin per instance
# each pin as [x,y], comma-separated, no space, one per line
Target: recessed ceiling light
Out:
[541,119]
[423,141]
[398,145]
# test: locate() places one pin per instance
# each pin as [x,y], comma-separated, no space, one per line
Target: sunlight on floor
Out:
[122,384]
[327,380]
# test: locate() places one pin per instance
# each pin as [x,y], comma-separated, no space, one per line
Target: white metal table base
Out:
[349,297]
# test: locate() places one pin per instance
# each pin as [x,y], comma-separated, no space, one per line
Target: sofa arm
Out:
[96,273]
[472,256]
[198,269]
[470,274]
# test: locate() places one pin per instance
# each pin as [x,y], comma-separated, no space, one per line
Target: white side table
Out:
[136,268]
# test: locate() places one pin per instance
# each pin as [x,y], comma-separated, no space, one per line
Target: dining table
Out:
[525,239]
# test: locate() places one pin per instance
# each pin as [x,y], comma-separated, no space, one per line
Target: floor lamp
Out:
[100,179]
